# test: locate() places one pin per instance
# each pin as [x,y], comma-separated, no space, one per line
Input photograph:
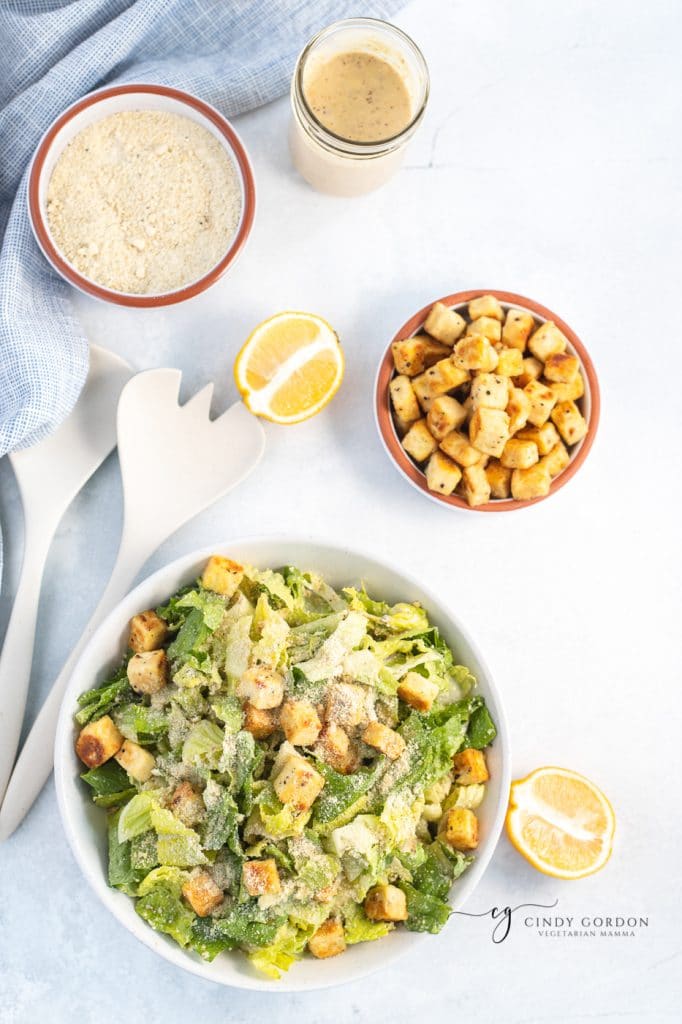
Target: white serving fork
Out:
[175,462]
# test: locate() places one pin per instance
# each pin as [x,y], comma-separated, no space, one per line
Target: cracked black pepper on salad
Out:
[285,767]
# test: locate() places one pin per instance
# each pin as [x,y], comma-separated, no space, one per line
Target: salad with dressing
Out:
[285,767]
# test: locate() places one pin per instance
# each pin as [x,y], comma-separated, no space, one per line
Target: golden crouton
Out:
[570,392]
[510,362]
[489,391]
[556,460]
[414,355]
[384,739]
[475,485]
[541,402]
[545,437]
[261,686]
[443,376]
[486,327]
[336,749]
[222,575]
[518,325]
[519,454]
[487,306]
[442,474]
[386,903]
[187,804]
[530,483]
[444,324]
[419,442]
[489,431]
[458,448]
[470,767]
[297,783]
[474,352]
[547,340]
[445,414]
[459,829]
[261,877]
[569,422]
[562,367]
[404,400]
[417,691]
[518,408]
[148,632]
[148,671]
[135,760]
[98,741]
[499,478]
[260,722]
[202,893]
[532,370]
[300,722]
[328,940]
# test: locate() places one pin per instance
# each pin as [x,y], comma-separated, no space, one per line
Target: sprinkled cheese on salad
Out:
[284,767]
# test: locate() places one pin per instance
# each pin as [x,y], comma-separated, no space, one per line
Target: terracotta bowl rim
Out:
[391,441]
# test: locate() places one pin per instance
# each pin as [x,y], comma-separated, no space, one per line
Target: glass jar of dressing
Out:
[358,94]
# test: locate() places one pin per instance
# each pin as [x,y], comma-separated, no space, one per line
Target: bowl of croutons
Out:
[487,400]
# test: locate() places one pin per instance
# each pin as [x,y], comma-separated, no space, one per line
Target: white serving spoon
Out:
[49,476]
[175,462]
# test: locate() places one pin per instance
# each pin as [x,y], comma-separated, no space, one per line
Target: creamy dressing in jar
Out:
[358,94]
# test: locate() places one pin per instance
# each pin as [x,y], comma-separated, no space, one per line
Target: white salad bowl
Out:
[84,822]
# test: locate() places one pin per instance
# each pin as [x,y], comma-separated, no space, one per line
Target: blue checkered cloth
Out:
[236,54]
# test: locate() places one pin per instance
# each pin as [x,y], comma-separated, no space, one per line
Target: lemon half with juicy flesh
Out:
[290,367]
[561,823]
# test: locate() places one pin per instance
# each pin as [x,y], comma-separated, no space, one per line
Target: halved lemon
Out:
[290,367]
[561,823]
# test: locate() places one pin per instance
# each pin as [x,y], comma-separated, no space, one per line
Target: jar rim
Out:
[354,146]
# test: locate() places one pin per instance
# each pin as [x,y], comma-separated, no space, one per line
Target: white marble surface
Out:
[549,164]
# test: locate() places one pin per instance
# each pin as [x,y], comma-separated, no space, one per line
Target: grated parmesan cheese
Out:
[144,202]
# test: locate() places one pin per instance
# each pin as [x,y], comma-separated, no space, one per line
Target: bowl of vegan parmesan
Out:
[141,195]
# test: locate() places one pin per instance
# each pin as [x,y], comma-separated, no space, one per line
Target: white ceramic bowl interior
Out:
[102,107]
[84,822]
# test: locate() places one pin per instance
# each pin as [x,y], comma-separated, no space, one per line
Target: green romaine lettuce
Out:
[110,783]
[357,926]
[204,745]
[100,701]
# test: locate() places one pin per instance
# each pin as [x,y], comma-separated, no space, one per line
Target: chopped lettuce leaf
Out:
[177,845]
[143,851]
[229,711]
[328,660]
[357,926]
[221,827]
[288,945]
[100,701]
[481,731]
[210,604]
[121,873]
[341,793]
[160,904]
[140,723]
[269,630]
[203,745]
[136,816]
[271,818]
[110,783]
[425,913]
